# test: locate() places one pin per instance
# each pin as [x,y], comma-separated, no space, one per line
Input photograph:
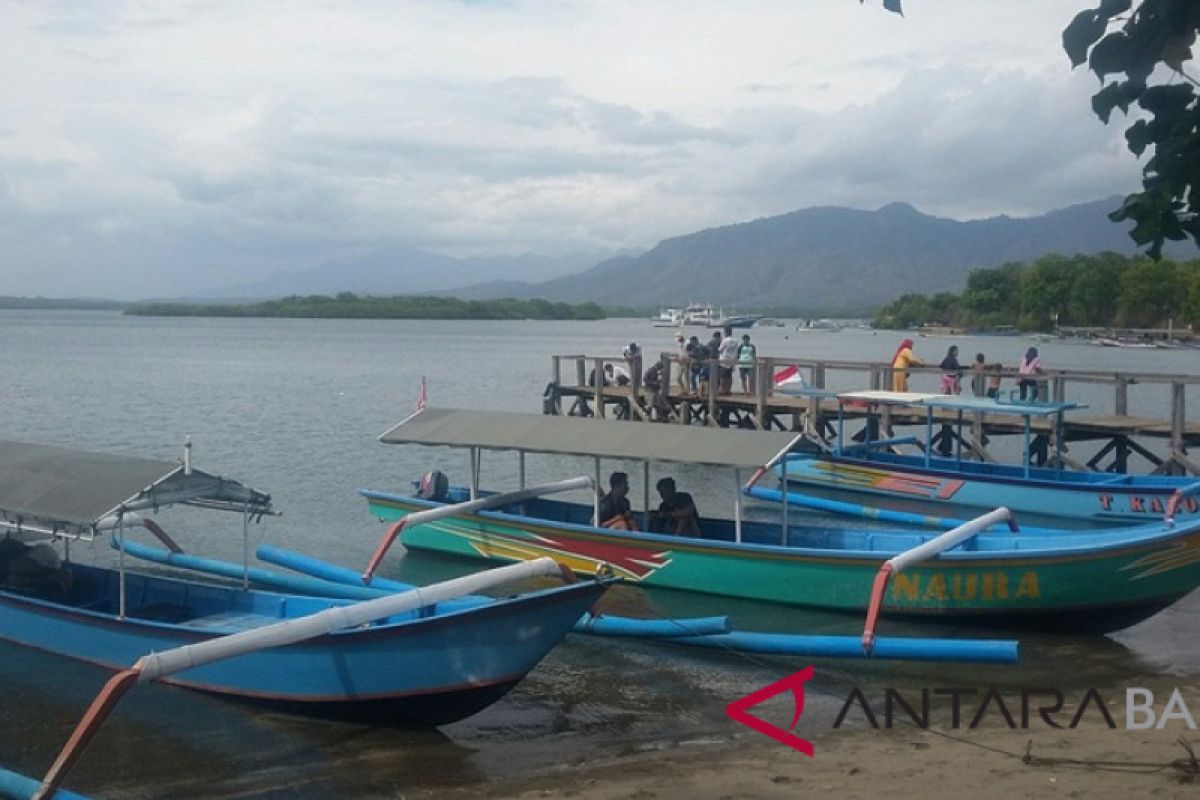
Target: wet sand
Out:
[1091,761]
[603,718]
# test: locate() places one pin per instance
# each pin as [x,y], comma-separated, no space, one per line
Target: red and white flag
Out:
[789,376]
[422,398]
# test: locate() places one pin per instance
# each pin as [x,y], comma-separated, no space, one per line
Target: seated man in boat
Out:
[37,568]
[614,509]
[676,513]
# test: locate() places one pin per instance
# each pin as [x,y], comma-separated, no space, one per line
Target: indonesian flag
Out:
[789,376]
[422,398]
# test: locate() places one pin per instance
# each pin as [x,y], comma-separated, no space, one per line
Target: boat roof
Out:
[602,438]
[69,491]
[954,402]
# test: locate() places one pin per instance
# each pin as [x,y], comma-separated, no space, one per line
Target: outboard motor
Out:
[434,486]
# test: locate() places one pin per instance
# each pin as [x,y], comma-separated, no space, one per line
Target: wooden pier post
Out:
[556,379]
[635,389]
[597,386]
[714,380]
[1121,401]
[1178,447]
[763,377]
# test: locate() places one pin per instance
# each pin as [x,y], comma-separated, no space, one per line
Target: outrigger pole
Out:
[159,665]
[924,552]
[492,501]
[763,470]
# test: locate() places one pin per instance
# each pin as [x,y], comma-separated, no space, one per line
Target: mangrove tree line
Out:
[347,305]
[1104,290]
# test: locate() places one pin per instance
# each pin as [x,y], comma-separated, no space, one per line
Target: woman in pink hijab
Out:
[901,361]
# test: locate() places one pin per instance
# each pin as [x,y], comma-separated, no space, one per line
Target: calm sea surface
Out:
[293,407]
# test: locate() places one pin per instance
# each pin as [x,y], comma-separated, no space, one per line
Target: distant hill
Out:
[404,270]
[830,258]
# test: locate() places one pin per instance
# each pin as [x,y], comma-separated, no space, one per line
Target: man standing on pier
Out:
[727,354]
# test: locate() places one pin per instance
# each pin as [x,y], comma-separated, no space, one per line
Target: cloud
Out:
[153,152]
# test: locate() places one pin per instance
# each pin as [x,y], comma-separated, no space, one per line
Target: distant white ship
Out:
[668,318]
[701,314]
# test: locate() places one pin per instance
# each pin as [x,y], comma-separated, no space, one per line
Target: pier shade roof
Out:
[603,438]
[71,491]
[959,402]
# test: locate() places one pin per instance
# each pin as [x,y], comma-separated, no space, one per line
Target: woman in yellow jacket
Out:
[903,359]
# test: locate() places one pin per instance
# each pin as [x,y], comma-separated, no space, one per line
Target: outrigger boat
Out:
[870,479]
[430,663]
[1101,580]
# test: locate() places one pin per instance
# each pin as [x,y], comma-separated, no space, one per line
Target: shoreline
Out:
[992,763]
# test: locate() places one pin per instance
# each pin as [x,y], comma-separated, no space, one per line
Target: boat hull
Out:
[1110,585]
[1111,500]
[420,671]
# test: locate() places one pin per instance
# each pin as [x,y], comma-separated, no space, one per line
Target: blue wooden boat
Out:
[870,478]
[426,666]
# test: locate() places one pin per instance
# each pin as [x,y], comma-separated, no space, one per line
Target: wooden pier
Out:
[1161,443]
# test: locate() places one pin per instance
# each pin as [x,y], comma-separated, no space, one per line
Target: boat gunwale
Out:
[1031,482]
[1131,541]
[342,637]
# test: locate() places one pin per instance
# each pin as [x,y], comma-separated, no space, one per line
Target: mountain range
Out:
[411,270]
[825,258]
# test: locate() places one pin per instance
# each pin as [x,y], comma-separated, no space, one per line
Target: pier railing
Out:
[579,387]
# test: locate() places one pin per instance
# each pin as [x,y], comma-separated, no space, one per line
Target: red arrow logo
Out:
[736,710]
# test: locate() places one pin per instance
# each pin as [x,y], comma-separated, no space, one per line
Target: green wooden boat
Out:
[1095,580]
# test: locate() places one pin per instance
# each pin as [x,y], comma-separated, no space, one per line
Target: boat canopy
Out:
[986,405]
[601,438]
[68,492]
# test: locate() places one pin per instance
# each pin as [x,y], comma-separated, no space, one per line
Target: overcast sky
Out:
[151,149]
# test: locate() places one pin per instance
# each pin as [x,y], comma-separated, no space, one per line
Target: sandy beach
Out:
[1090,761]
[857,761]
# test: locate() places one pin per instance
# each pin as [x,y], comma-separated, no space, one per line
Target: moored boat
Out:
[699,314]
[870,475]
[736,321]
[1098,580]
[430,664]
[668,318]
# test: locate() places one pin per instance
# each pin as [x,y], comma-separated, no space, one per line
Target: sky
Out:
[167,149]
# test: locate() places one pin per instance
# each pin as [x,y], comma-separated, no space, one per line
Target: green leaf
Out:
[1111,54]
[1138,136]
[1111,96]
[1081,34]
[1177,50]
[1167,101]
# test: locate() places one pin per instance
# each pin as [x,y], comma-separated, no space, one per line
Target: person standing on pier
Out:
[683,356]
[951,372]
[747,357]
[726,352]
[979,376]
[1030,369]
[901,361]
